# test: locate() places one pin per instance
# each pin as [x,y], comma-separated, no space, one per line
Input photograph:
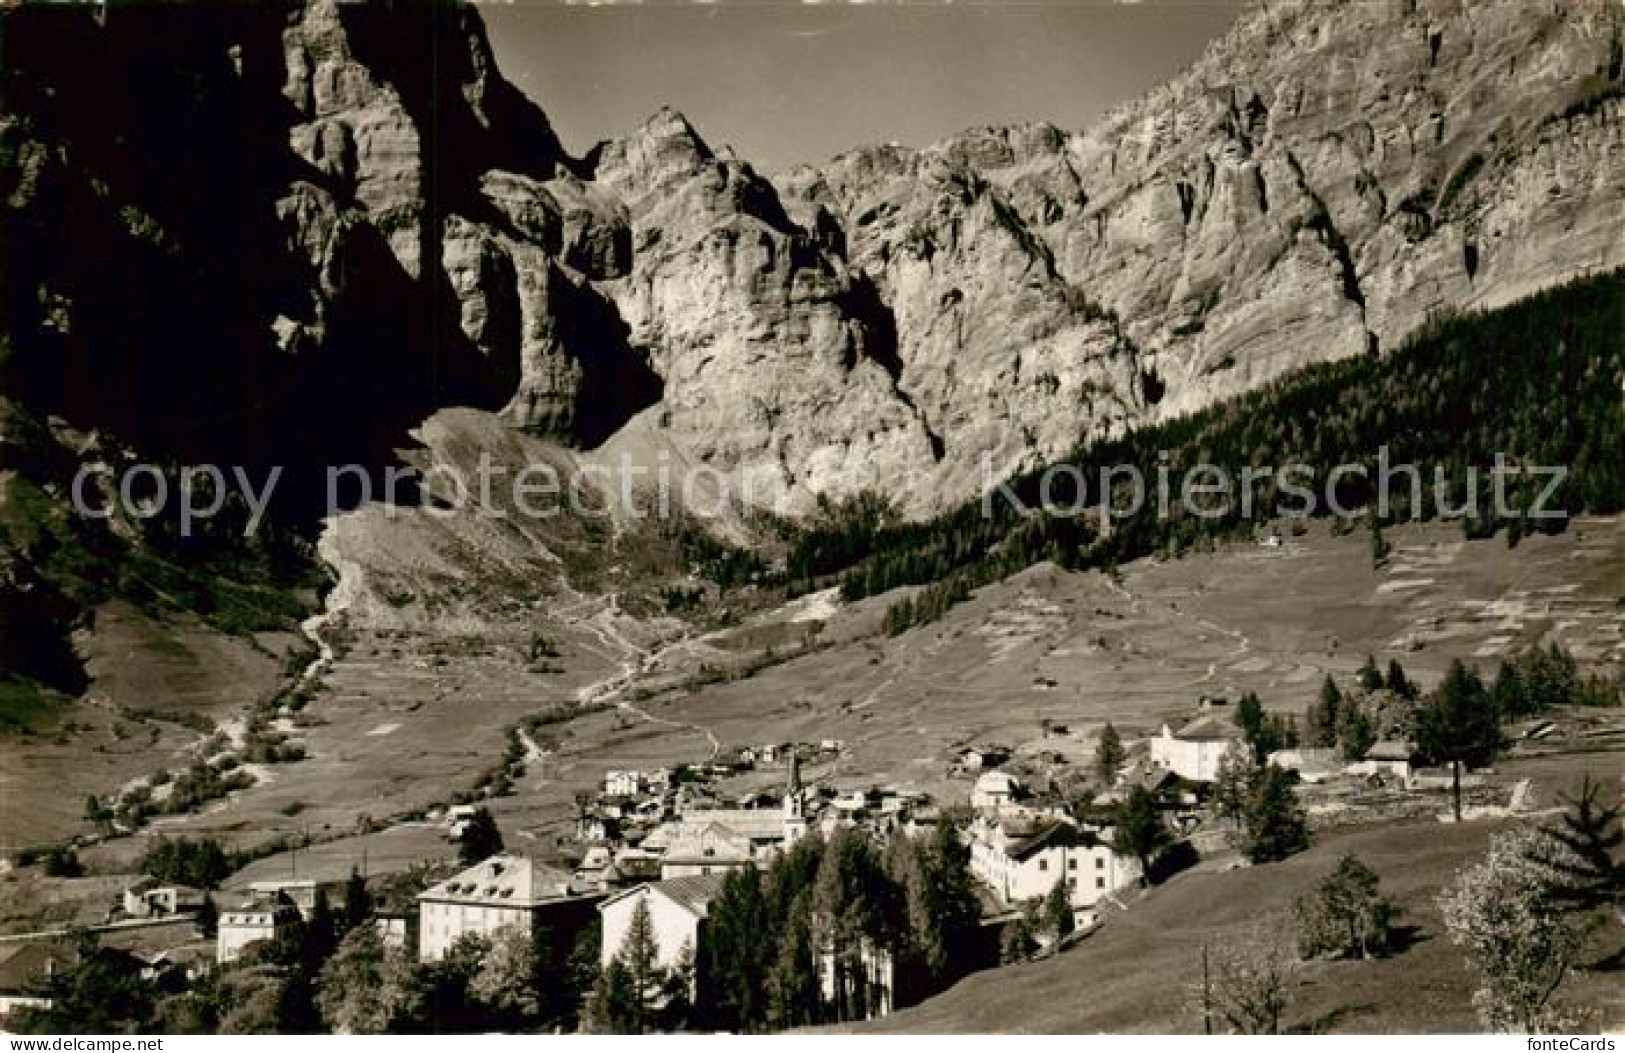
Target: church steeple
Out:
[795,818]
[792,793]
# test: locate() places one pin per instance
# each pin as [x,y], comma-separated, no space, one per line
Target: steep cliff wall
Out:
[264,216]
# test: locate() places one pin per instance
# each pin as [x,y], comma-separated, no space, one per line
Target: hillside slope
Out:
[1142,972]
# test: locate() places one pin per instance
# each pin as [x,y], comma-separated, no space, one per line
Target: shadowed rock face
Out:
[248,220]
[287,235]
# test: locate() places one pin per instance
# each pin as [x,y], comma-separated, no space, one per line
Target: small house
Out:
[150,898]
[1313,764]
[1390,757]
[995,790]
[1197,749]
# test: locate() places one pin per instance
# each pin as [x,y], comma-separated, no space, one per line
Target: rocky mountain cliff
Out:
[304,229]
[1323,180]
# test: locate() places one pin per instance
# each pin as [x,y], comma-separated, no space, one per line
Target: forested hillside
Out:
[1538,382]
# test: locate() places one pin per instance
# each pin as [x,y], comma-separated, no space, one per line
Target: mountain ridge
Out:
[907,322]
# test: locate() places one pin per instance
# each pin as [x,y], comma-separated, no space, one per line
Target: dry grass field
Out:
[407,717]
[1141,972]
[154,688]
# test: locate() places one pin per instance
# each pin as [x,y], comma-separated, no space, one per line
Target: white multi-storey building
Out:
[1020,860]
[505,891]
[251,923]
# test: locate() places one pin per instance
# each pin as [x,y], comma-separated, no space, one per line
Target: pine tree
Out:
[852,910]
[208,918]
[1458,726]
[737,948]
[1140,831]
[1275,823]
[1398,682]
[793,989]
[1370,679]
[1508,693]
[1320,720]
[1109,755]
[357,902]
[640,956]
[1232,788]
[615,1008]
[1059,919]
[320,932]
[1589,827]
[1355,732]
[480,839]
[1250,716]
[956,907]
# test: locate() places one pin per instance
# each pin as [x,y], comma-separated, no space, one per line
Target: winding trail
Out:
[635,661]
[1243,645]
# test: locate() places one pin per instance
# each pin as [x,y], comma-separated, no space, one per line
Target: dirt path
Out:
[635,661]
[1244,643]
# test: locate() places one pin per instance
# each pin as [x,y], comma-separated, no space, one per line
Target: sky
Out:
[788,81]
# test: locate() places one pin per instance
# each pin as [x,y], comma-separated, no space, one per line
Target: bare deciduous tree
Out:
[1246,982]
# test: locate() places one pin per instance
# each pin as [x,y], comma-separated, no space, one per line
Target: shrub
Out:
[1345,917]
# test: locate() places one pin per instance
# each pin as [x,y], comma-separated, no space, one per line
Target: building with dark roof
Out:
[1197,749]
[25,972]
[1023,859]
[677,907]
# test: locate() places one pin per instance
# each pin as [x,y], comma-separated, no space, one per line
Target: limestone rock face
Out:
[917,322]
[777,366]
[513,235]
[1321,182]
[1330,175]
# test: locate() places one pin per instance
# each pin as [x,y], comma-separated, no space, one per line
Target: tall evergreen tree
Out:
[640,955]
[615,1008]
[853,910]
[1250,717]
[1232,788]
[1592,873]
[1398,682]
[1321,718]
[738,945]
[1275,824]
[1109,754]
[1355,731]
[1059,918]
[955,906]
[208,918]
[1368,676]
[480,839]
[1458,726]
[357,902]
[794,999]
[1140,831]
